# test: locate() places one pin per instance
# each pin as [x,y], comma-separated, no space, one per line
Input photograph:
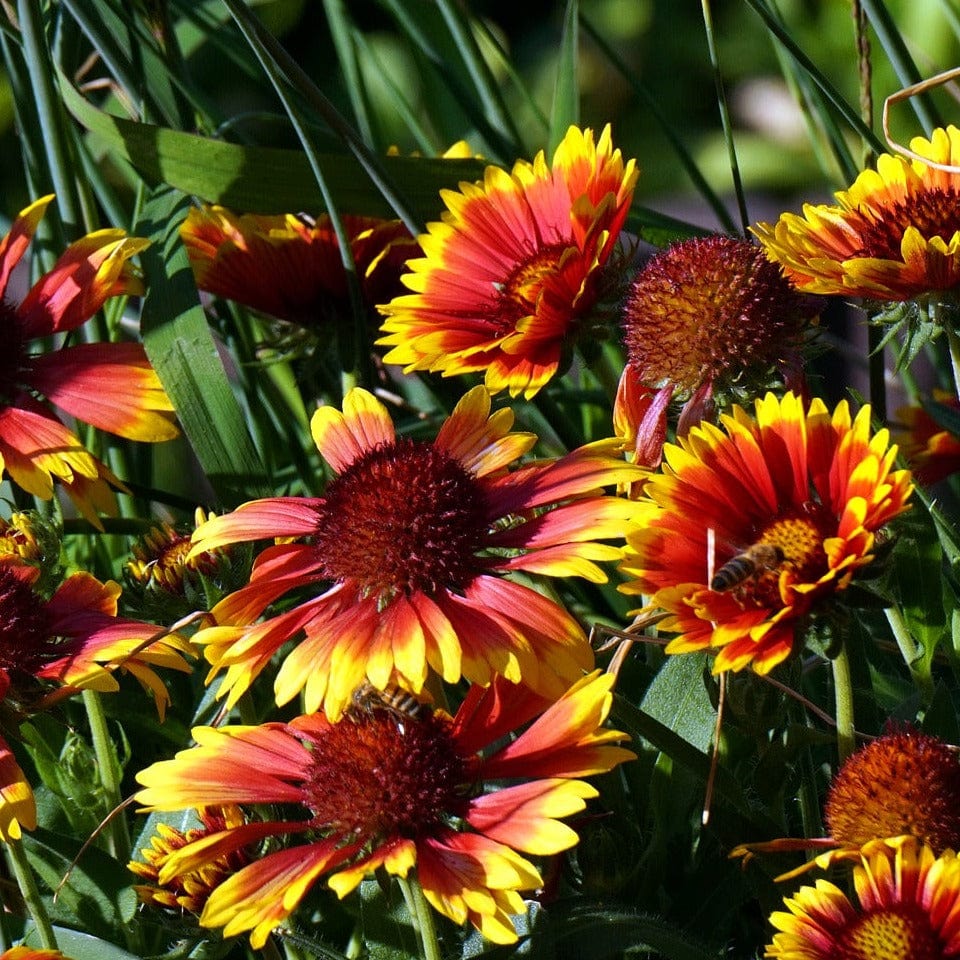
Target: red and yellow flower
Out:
[904,783]
[707,316]
[907,907]
[407,549]
[18,808]
[76,640]
[894,235]
[514,267]
[381,791]
[188,891]
[289,266]
[750,526]
[932,451]
[108,385]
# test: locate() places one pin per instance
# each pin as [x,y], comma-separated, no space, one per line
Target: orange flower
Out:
[407,549]
[189,891]
[907,908]
[513,267]
[706,316]
[32,953]
[108,385]
[894,235]
[382,790]
[76,638]
[904,783]
[932,451]
[792,501]
[289,266]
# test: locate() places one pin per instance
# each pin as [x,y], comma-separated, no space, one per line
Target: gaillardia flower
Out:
[894,235]
[289,266]
[706,315]
[32,953]
[76,640]
[904,783]
[189,891]
[513,267]
[932,451]
[907,908]
[108,385]
[381,790]
[407,548]
[748,527]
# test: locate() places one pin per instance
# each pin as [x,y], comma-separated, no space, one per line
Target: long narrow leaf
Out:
[181,348]
[566,91]
[264,179]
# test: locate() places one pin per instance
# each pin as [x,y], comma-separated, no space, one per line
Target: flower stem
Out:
[422,916]
[117,833]
[20,867]
[843,698]
[953,342]
[909,651]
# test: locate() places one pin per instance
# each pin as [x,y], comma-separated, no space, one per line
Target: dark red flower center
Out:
[12,356]
[25,641]
[901,783]
[935,213]
[520,294]
[707,308]
[404,517]
[374,775]
[897,932]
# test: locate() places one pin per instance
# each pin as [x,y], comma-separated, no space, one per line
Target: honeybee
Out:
[755,560]
[399,703]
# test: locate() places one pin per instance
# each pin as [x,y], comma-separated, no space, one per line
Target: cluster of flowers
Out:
[736,532]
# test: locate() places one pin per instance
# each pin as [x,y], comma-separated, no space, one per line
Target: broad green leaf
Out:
[97,896]
[182,349]
[566,89]
[265,179]
[81,946]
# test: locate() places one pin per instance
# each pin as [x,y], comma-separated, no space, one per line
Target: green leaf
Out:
[182,349]
[97,896]
[265,179]
[566,89]
[678,698]
[82,946]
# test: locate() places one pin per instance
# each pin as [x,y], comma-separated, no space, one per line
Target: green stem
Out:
[843,697]
[118,836]
[909,651]
[20,867]
[422,916]
[877,373]
[953,342]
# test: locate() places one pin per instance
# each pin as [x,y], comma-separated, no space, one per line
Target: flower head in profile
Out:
[514,268]
[189,891]
[932,450]
[165,580]
[75,640]
[705,316]
[289,266]
[904,783]
[378,790]
[907,907]
[406,553]
[108,385]
[750,525]
[893,236]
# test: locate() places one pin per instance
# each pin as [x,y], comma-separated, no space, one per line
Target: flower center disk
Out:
[935,213]
[519,295]
[376,776]
[25,641]
[893,933]
[404,517]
